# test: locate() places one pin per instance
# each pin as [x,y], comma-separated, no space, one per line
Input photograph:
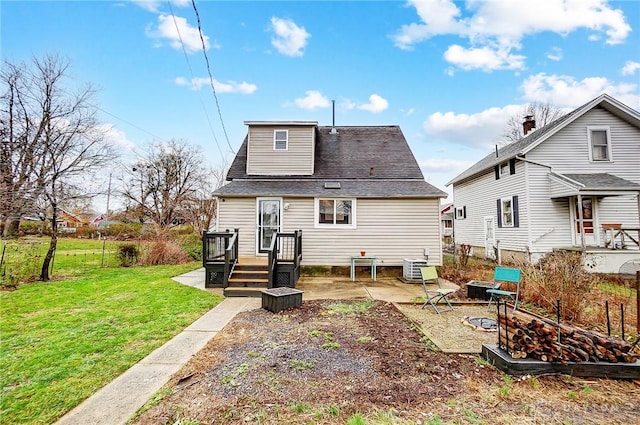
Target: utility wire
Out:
[206,58]
[186,57]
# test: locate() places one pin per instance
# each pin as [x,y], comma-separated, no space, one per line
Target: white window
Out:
[280,140]
[504,168]
[461,212]
[599,144]
[507,211]
[335,213]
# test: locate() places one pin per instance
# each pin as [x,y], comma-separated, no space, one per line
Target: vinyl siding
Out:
[479,195]
[298,159]
[568,152]
[390,229]
[239,213]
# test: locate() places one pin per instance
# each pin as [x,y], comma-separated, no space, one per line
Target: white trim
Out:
[502,201]
[257,220]
[607,130]
[489,253]
[316,211]
[275,139]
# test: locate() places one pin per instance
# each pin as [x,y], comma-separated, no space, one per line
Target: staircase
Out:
[249,278]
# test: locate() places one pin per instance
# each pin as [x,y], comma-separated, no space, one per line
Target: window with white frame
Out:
[504,168]
[335,213]
[507,212]
[461,212]
[280,140]
[599,144]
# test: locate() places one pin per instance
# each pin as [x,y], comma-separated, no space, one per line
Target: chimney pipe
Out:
[529,124]
[333,120]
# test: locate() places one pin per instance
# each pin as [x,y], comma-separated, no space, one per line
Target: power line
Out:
[186,57]
[206,58]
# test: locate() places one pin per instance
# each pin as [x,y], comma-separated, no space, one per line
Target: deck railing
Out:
[285,256]
[220,254]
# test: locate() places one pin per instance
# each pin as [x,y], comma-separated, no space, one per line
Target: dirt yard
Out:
[365,362]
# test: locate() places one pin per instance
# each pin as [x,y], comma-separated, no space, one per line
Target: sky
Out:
[449,73]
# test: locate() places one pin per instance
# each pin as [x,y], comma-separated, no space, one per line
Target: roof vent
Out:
[332,185]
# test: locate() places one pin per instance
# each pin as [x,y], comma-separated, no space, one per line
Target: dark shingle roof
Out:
[368,161]
[369,152]
[523,145]
[307,187]
[602,181]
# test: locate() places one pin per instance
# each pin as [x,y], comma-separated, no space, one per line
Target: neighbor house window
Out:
[508,212]
[280,140]
[335,212]
[461,212]
[599,143]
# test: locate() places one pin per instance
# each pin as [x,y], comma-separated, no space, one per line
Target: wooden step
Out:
[248,283]
[243,292]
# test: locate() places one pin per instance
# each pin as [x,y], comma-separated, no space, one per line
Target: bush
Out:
[128,254]
[192,245]
[163,251]
[559,276]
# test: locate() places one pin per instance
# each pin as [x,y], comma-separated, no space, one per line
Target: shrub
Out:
[128,254]
[192,245]
[559,276]
[164,251]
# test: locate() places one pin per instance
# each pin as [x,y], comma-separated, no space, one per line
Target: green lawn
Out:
[63,340]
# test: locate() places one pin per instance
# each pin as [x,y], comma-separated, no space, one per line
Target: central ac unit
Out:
[411,268]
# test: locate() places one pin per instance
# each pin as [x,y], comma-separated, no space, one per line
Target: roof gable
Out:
[529,142]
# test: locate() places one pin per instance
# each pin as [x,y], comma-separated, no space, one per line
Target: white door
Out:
[268,222]
[588,221]
[489,237]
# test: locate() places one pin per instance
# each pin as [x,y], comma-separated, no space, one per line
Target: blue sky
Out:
[448,73]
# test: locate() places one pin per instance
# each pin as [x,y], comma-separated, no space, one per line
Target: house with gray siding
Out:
[348,189]
[572,184]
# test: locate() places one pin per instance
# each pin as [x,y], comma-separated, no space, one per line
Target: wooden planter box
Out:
[278,299]
[477,289]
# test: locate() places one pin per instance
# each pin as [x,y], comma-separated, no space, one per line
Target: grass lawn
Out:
[63,340]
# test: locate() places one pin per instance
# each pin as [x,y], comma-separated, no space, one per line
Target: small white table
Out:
[364,259]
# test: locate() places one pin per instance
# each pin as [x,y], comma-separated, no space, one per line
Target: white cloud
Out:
[376,104]
[565,91]
[115,137]
[502,24]
[178,32]
[554,54]
[484,58]
[445,165]
[313,100]
[227,87]
[290,39]
[154,5]
[480,130]
[630,68]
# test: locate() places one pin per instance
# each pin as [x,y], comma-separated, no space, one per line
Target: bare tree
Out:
[200,210]
[542,113]
[20,133]
[56,140]
[164,181]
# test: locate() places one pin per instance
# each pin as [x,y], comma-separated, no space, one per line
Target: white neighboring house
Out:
[572,184]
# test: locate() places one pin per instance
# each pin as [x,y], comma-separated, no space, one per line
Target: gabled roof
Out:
[367,161]
[529,142]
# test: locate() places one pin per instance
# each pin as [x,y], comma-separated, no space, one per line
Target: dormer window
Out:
[280,140]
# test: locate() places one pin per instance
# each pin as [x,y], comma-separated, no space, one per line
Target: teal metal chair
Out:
[429,276]
[500,275]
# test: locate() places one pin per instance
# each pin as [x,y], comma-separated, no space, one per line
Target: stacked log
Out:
[524,335]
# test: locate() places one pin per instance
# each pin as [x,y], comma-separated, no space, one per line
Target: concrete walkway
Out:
[118,401]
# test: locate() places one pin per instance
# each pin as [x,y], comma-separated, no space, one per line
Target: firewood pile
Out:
[524,335]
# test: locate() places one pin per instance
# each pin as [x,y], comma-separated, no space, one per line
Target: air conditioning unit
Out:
[411,268]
